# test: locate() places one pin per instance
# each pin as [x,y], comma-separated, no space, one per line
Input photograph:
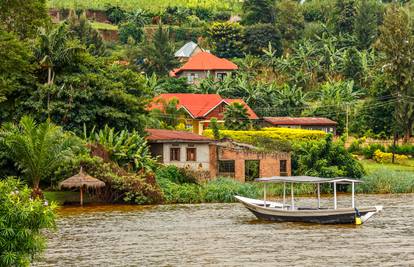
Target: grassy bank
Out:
[104,26]
[219,190]
[371,166]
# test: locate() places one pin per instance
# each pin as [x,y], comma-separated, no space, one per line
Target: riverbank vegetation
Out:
[22,218]
[178,186]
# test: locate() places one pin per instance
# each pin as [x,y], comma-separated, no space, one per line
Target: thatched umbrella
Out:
[81,180]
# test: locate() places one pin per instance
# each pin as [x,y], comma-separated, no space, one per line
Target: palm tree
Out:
[37,149]
[236,117]
[56,49]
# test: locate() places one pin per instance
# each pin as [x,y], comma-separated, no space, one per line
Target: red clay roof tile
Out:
[198,105]
[206,61]
[171,135]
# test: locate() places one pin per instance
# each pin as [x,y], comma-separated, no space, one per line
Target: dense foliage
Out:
[37,149]
[22,219]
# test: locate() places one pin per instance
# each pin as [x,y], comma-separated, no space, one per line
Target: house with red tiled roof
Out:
[203,65]
[310,123]
[199,109]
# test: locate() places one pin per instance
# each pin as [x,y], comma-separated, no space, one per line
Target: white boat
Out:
[283,212]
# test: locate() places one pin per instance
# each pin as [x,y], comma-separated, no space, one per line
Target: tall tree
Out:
[80,28]
[236,117]
[158,53]
[15,66]
[290,20]
[396,43]
[56,50]
[343,14]
[258,11]
[367,16]
[226,39]
[23,17]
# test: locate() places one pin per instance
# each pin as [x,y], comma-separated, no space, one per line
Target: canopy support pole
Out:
[319,195]
[353,195]
[335,205]
[292,198]
[284,194]
[81,195]
[264,194]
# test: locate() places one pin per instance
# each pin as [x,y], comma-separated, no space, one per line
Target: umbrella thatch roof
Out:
[81,180]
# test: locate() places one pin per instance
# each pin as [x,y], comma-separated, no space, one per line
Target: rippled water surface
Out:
[228,235]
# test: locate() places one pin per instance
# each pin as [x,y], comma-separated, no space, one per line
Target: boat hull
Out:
[321,216]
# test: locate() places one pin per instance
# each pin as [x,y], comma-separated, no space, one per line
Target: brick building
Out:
[212,158]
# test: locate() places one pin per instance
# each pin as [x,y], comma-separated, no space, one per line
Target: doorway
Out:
[251,169]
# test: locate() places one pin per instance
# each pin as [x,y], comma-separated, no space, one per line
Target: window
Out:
[221,75]
[226,168]
[191,154]
[175,154]
[283,168]
[191,77]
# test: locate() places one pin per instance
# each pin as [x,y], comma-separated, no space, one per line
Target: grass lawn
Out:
[104,26]
[371,166]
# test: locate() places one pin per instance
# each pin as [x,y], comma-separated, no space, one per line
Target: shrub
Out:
[387,181]
[382,157]
[407,149]
[324,158]
[283,134]
[21,221]
[130,29]
[369,150]
[175,175]
[115,14]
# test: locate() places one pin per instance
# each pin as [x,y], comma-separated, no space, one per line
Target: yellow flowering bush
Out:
[380,156]
[284,134]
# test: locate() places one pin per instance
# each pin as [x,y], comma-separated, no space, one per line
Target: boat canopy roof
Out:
[307,179]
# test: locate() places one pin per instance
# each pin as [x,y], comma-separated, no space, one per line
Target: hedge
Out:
[284,134]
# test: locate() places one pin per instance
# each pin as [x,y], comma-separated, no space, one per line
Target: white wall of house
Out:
[193,76]
[201,163]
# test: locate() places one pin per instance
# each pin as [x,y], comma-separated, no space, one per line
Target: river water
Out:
[228,235]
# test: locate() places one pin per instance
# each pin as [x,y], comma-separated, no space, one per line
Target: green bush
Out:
[130,29]
[21,221]
[369,150]
[387,181]
[407,149]
[324,159]
[115,14]
[175,175]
